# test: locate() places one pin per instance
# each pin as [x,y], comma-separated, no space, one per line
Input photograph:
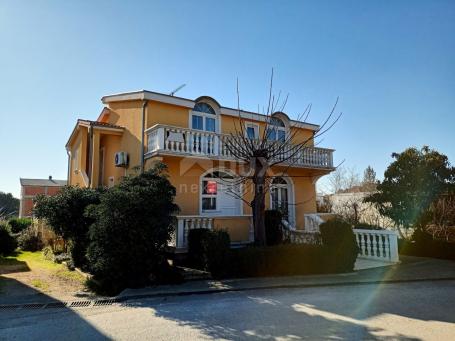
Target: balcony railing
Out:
[377,244]
[185,223]
[182,141]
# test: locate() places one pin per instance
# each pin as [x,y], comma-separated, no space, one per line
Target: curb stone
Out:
[125,298]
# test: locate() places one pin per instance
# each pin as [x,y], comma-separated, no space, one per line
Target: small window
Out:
[210,187]
[281,135]
[252,131]
[197,122]
[209,124]
[209,204]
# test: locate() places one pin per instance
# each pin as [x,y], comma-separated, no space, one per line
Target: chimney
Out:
[50,177]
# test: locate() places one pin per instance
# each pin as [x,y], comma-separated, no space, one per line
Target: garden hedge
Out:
[422,244]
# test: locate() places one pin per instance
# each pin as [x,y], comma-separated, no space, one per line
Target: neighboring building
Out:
[32,187]
[136,129]
[351,206]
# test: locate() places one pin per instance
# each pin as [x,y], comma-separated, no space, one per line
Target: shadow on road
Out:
[297,314]
[12,265]
[36,323]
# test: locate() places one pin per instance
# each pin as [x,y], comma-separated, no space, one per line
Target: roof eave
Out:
[185,102]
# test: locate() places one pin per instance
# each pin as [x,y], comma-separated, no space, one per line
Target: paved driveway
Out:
[400,311]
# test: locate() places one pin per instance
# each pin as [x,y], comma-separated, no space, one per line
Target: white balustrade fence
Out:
[377,244]
[177,140]
[185,224]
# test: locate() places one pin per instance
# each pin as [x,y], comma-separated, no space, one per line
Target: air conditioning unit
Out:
[121,159]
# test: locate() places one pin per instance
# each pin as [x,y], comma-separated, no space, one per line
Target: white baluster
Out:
[363,244]
[189,142]
[374,246]
[198,143]
[387,247]
[381,246]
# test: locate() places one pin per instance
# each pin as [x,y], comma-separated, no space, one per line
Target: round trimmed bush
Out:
[341,246]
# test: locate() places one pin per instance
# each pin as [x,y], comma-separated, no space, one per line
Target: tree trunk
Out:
[259,211]
[260,165]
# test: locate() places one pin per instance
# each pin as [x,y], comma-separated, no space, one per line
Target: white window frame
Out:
[255,126]
[276,128]
[205,195]
[291,199]
[204,116]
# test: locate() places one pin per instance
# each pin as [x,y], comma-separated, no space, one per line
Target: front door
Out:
[280,200]
[229,203]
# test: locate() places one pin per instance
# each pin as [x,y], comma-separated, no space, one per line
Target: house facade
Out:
[30,188]
[191,137]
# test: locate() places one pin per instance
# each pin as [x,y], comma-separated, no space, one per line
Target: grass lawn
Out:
[32,269]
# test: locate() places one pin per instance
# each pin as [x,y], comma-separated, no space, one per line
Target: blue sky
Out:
[391,62]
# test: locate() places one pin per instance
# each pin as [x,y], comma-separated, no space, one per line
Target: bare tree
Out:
[261,153]
[343,179]
[337,179]
[442,218]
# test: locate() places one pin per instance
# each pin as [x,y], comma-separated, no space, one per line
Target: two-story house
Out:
[137,128]
[30,188]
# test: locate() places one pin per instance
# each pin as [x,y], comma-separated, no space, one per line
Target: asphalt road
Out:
[404,311]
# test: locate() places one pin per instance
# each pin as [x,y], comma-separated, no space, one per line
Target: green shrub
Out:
[273,227]
[29,241]
[209,250]
[422,244]
[197,255]
[341,244]
[7,242]
[18,225]
[48,253]
[65,214]
[132,225]
[279,260]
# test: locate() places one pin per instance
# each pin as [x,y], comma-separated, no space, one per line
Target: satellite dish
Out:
[179,88]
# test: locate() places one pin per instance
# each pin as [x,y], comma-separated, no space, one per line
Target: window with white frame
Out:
[252,131]
[279,193]
[276,130]
[203,117]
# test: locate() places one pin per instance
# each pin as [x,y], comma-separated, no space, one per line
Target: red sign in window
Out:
[211,187]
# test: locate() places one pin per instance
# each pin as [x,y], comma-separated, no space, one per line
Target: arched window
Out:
[204,107]
[203,117]
[219,194]
[277,122]
[276,130]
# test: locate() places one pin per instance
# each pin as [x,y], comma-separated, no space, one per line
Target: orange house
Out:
[138,128]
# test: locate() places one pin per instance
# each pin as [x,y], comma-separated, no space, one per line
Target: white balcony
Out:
[169,140]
